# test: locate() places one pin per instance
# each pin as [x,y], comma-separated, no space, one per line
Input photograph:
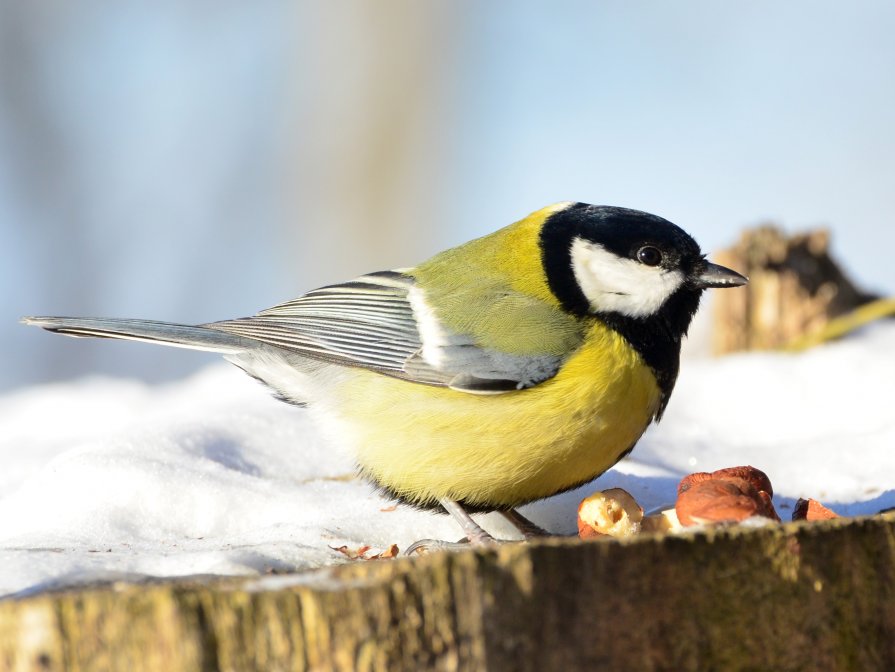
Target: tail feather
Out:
[164,333]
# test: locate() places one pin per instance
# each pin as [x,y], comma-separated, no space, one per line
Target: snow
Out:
[107,478]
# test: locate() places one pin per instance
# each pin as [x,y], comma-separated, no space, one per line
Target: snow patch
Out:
[106,478]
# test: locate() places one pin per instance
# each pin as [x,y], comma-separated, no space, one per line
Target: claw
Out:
[475,535]
[424,546]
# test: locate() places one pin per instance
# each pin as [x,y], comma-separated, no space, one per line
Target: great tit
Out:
[506,370]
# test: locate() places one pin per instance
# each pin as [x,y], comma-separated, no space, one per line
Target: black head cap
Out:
[641,239]
[622,231]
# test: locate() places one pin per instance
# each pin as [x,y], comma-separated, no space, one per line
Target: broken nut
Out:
[613,512]
[664,521]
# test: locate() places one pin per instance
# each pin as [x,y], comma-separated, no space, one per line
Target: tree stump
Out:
[800,596]
[795,289]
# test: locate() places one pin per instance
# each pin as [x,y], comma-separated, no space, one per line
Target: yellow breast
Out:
[425,443]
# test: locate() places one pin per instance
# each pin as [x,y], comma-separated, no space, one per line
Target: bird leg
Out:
[524,525]
[475,535]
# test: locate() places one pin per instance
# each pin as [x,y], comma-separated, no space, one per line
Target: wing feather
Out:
[376,322]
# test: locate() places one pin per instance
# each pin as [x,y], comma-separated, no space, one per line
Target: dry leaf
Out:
[363,552]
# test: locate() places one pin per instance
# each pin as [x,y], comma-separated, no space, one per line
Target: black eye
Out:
[649,255]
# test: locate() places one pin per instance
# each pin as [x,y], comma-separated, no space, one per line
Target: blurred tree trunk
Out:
[367,164]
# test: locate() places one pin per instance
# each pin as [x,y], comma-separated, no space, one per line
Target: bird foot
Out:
[475,535]
[425,546]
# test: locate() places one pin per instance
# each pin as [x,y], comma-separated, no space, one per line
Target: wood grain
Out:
[818,596]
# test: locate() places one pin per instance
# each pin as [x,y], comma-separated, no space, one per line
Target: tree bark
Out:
[795,289]
[817,596]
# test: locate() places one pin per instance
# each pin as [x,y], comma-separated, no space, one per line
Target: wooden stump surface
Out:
[810,596]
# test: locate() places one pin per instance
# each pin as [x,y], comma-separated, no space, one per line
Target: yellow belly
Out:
[425,443]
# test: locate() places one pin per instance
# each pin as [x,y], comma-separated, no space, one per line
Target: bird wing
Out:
[381,322]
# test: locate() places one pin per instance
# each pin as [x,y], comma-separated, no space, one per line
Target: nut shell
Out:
[756,477]
[690,480]
[811,509]
[725,500]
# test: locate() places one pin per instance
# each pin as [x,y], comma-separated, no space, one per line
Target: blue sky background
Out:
[716,115]
[195,161]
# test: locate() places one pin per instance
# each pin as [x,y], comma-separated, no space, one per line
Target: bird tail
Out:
[164,333]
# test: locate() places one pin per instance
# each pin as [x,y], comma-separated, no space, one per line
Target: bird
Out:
[505,370]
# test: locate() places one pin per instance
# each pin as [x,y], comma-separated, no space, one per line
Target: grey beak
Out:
[713,275]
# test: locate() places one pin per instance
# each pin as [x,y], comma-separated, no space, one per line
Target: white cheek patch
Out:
[620,285]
